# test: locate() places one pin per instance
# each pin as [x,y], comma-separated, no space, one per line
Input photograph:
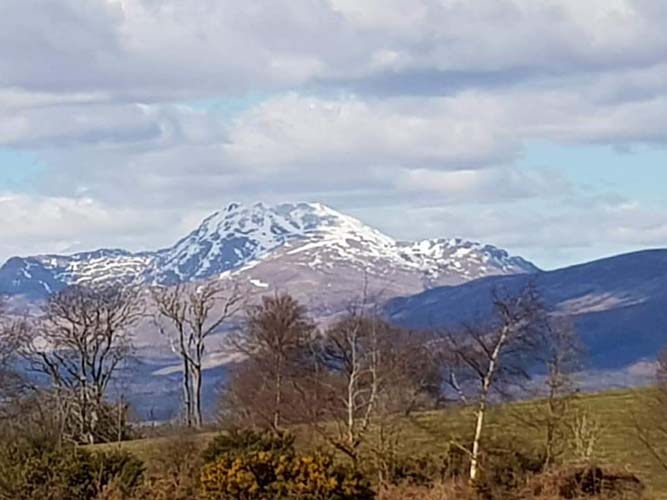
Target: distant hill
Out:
[619,305]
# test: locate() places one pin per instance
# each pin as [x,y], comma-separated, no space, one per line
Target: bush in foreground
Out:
[261,466]
[240,442]
[581,481]
[70,474]
[173,469]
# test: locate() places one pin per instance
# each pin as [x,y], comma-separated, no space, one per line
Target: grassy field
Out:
[615,411]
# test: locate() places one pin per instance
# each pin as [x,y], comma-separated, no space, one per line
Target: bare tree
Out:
[585,432]
[495,357]
[411,381]
[173,308]
[364,377]
[561,357]
[558,356]
[188,315]
[79,342]
[12,383]
[27,410]
[350,360]
[353,384]
[272,340]
[204,320]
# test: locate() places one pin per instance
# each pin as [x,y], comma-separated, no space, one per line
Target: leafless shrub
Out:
[583,481]
[585,434]
[559,356]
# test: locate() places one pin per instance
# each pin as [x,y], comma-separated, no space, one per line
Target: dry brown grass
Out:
[585,481]
[173,470]
[568,482]
[461,491]
[453,490]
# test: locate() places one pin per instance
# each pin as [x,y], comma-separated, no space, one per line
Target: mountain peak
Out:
[311,235]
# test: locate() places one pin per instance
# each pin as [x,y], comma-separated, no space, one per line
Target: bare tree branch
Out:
[79,341]
[188,315]
[495,357]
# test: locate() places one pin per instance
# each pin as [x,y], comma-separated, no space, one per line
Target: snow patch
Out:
[258,283]
[240,237]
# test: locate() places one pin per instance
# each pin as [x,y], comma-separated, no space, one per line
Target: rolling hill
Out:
[619,305]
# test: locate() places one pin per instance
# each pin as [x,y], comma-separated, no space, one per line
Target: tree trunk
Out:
[481,410]
[474,460]
[187,392]
[197,392]
[198,380]
[94,420]
[278,402]
[350,409]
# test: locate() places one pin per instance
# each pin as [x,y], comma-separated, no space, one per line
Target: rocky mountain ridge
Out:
[242,237]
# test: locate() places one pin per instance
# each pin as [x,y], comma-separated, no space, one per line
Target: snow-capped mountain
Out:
[322,257]
[306,243]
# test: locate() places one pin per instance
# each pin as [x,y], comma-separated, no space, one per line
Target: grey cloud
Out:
[369,105]
[41,224]
[147,49]
[35,121]
[59,45]
[76,126]
[461,146]
[555,233]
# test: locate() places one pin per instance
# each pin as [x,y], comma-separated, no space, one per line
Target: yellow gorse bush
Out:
[265,475]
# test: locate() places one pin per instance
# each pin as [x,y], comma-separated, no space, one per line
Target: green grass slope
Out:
[617,413]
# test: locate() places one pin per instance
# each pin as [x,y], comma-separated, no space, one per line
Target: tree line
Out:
[360,375]
[352,380]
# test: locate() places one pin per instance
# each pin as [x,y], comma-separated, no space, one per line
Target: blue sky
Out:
[547,136]
[18,170]
[638,173]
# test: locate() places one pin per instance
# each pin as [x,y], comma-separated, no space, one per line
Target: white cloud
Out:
[365,104]
[296,131]
[490,185]
[565,230]
[35,224]
[175,48]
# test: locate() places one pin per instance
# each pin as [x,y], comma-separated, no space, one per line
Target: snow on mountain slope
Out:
[42,275]
[241,237]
